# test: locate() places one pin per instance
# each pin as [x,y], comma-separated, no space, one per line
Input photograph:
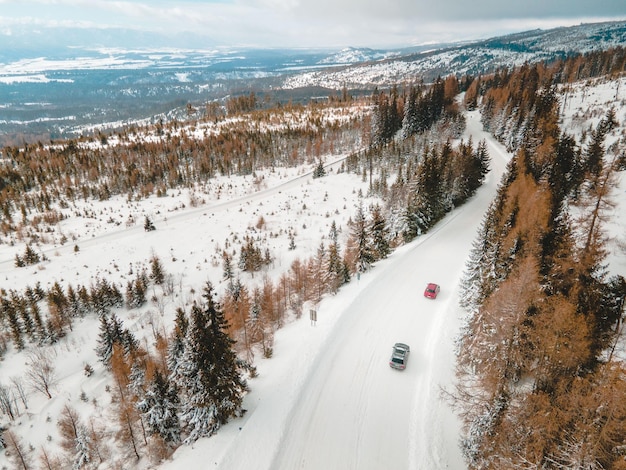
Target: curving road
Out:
[329,400]
[355,412]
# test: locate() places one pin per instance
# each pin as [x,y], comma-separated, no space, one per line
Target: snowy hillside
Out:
[473,58]
[327,395]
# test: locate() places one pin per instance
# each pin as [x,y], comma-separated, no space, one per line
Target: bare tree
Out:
[16,451]
[41,374]
[68,425]
[97,437]
[7,402]
[18,384]
[49,462]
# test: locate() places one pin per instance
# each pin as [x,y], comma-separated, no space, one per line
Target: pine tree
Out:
[425,202]
[83,449]
[58,308]
[319,171]
[8,312]
[157,274]
[379,234]
[159,407]
[208,374]
[136,292]
[177,342]
[104,349]
[479,278]
[227,263]
[334,267]
[148,226]
[31,256]
[112,332]
[410,121]
[21,307]
[364,256]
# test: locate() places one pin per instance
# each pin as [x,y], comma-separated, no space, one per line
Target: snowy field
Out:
[327,399]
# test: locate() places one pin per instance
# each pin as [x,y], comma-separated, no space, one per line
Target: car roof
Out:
[432,285]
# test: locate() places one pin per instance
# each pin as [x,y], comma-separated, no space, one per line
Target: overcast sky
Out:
[307,23]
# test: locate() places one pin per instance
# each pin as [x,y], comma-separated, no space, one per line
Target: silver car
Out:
[399,356]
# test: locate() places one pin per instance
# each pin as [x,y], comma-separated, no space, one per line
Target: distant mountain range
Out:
[52,92]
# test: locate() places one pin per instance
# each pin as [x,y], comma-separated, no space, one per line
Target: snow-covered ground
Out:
[327,399]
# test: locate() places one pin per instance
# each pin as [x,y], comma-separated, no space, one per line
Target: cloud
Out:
[297,23]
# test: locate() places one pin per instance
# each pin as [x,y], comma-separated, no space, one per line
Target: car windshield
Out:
[397,360]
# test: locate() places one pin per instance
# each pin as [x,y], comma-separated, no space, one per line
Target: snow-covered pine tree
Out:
[227,263]
[112,332]
[425,202]
[477,266]
[379,233]
[104,348]
[208,375]
[159,408]
[136,292]
[157,273]
[334,266]
[8,312]
[364,255]
[83,457]
[177,342]
[319,171]
[148,225]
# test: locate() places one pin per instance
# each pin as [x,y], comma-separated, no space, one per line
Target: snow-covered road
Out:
[329,400]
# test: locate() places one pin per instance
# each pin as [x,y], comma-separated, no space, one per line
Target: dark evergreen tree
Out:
[112,332]
[83,449]
[176,345]
[129,342]
[208,375]
[159,408]
[41,333]
[387,119]
[77,306]
[58,306]
[105,296]
[594,153]
[227,266]
[20,306]
[148,225]
[426,202]
[361,240]
[136,292]
[483,157]
[479,277]
[334,266]
[410,121]
[31,256]
[319,171]
[8,311]
[379,233]
[564,172]
[157,273]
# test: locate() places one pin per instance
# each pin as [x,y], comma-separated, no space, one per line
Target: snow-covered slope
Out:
[328,392]
[328,399]
[471,58]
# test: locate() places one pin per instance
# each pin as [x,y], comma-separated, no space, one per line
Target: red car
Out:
[431,291]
